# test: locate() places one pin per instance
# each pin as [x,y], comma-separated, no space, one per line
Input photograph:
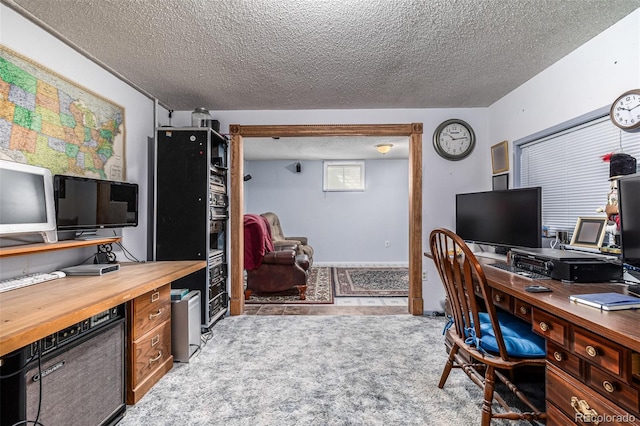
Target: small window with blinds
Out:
[343,176]
[568,165]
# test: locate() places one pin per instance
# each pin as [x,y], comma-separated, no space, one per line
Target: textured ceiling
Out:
[319,54]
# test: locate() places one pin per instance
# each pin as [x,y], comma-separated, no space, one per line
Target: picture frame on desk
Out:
[500,157]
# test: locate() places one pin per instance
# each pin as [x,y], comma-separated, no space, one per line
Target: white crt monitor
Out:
[26,201]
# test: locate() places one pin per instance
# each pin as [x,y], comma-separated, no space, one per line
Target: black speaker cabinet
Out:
[79,384]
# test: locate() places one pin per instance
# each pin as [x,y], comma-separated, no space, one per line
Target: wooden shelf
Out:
[60,245]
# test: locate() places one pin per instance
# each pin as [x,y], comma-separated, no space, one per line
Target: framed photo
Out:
[589,232]
[500,182]
[500,157]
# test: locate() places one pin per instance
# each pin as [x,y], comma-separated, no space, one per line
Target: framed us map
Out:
[48,121]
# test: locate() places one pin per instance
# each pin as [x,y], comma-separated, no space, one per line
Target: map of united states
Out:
[47,121]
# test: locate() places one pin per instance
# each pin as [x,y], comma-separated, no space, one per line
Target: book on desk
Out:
[607,301]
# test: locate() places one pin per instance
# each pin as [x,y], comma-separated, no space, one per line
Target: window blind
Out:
[568,166]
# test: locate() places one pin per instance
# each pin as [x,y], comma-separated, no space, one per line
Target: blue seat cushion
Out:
[519,339]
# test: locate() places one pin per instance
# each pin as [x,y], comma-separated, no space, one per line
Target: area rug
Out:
[319,291]
[316,371]
[371,281]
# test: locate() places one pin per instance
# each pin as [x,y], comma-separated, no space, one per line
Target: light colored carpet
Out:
[315,370]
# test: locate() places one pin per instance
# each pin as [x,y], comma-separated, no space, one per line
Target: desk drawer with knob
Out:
[501,299]
[150,310]
[551,328]
[597,351]
[522,310]
[563,359]
[150,351]
[581,404]
[614,389]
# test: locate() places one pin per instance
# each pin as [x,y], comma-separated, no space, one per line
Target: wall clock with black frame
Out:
[454,139]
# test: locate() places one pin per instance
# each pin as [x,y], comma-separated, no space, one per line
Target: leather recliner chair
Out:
[270,269]
[279,239]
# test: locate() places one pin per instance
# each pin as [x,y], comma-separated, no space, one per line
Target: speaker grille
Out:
[83,385]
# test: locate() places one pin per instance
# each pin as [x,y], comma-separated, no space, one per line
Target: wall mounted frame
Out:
[500,182]
[500,157]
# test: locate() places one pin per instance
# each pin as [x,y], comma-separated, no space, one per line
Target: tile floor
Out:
[341,306]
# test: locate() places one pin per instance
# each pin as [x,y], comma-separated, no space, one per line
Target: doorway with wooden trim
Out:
[238,132]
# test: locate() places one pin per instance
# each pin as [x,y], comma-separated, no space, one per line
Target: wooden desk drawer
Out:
[151,351]
[563,359]
[150,310]
[522,310]
[597,351]
[503,300]
[552,328]
[578,402]
[614,389]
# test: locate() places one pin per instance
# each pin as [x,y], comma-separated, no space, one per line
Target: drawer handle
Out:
[544,326]
[524,310]
[157,314]
[585,413]
[155,339]
[498,298]
[155,296]
[591,351]
[558,356]
[152,360]
[608,386]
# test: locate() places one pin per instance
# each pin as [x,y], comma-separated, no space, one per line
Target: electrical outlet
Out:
[424,275]
[386,244]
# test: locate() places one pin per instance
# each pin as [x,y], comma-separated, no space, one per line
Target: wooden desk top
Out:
[622,327]
[31,313]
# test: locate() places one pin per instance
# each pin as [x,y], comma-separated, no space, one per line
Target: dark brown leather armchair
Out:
[270,269]
[279,239]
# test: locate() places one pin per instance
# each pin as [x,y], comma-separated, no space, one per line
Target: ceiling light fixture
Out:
[383,148]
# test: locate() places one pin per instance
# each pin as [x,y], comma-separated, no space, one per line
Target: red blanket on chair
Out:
[257,240]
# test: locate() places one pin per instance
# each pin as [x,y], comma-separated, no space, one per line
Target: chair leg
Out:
[247,294]
[489,385]
[302,290]
[448,366]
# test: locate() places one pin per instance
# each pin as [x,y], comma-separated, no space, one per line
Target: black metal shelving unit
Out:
[191,206]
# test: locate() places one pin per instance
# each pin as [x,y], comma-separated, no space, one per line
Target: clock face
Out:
[454,139]
[625,111]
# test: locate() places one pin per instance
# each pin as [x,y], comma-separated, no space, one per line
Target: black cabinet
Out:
[191,206]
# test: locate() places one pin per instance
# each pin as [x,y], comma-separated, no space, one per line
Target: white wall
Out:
[22,36]
[342,227]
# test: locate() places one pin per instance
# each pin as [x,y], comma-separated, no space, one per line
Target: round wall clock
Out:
[454,139]
[625,111]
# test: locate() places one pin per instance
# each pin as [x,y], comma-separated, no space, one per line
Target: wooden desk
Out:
[33,312]
[593,356]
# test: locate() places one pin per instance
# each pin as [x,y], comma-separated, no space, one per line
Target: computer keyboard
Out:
[522,272]
[27,280]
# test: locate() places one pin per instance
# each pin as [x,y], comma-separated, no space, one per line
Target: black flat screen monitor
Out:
[84,204]
[508,218]
[629,209]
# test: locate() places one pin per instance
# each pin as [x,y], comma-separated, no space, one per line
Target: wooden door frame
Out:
[413,131]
